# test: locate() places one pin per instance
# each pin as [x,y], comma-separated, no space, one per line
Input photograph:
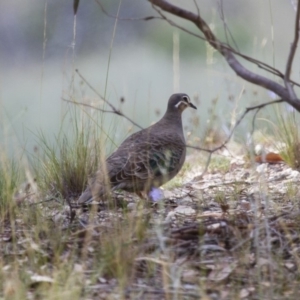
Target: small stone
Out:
[185,210]
[261,168]
[258,149]
[170,216]
[245,205]
[244,293]
[168,194]
[186,201]
[58,218]
[102,280]
[290,266]
[78,268]
[131,206]
[294,174]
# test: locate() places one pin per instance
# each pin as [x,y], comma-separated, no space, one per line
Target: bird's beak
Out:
[192,105]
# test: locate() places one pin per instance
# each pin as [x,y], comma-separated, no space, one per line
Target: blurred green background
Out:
[38,56]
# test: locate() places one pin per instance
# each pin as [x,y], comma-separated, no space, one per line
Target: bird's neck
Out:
[172,119]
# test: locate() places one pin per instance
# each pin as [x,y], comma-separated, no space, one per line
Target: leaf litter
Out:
[226,235]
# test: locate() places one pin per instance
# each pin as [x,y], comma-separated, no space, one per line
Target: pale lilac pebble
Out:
[156,194]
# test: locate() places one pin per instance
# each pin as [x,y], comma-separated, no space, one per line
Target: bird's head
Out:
[179,102]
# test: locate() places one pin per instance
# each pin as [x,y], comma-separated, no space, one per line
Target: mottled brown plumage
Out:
[146,159]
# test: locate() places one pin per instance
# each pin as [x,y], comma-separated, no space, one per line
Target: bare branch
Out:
[248,109]
[114,109]
[254,118]
[238,68]
[292,54]
[197,6]
[172,23]
[123,19]
[226,28]
[91,106]
[206,165]
[260,64]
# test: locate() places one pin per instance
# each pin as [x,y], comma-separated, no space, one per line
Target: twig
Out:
[197,6]
[123,19]
[172,23]
[115,110]
[253,119]
[206,165]
[146,290]
[211,151]
[256,107]
[43,201]
[226,28]
[90,106]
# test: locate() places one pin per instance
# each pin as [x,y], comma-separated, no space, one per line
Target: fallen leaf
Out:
[222,272]
[244,293]
[190,276]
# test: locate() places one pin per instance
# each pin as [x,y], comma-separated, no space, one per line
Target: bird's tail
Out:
[86,197]
[96,190]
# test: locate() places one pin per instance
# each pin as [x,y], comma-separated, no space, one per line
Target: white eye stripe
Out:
[181,102]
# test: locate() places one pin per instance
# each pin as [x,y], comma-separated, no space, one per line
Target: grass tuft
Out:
[10,176]
[287,132]
[219,164]
[64,168]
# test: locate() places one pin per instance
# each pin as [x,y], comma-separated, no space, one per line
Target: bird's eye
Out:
[185,98]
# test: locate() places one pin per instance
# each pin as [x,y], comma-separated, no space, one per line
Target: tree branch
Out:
[248,109]
[292,54]
[259,63]
[236,66]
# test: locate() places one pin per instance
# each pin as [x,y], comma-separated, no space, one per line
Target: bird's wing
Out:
[147,159]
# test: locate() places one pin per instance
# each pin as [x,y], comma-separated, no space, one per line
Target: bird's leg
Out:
[142,194]
[153,195]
